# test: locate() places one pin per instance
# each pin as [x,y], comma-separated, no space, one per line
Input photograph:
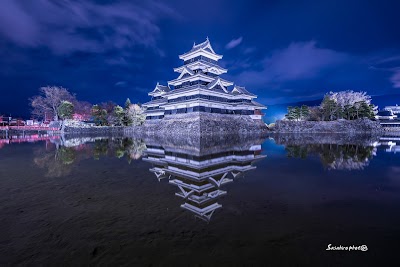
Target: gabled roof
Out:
[161,88]
[206,45]
[184,71]
[216,82]
[204,64]
[258,104]
[156,102]
[241,90]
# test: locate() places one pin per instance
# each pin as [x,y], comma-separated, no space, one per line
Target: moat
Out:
[281,199]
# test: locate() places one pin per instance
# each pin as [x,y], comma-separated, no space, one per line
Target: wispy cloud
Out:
[395,78]
[249,50]
[120,84]
[234,42]
[67,26]
[389,64]
[298,61]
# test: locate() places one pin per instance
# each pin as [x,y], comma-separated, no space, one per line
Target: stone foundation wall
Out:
[77,127]
[339,126]
[194,124]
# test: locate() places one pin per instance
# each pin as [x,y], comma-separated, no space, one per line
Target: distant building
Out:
[394,109]
[385,115]
[199,88]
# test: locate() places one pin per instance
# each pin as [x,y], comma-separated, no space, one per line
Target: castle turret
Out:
[199,87]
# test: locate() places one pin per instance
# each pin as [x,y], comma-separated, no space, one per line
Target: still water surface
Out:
[123,201]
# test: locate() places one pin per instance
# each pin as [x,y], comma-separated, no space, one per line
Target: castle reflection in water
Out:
[200,172]
[391,143]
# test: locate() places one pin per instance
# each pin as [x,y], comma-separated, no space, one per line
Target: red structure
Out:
[28,128]
[27,139]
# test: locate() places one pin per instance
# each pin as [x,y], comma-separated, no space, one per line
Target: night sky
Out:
[283,51]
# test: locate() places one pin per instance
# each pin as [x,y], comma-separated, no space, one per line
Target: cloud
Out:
[298,61]
[249,50]
[388,63]
[233,43]
[120,84]
[68,26]
[395,78]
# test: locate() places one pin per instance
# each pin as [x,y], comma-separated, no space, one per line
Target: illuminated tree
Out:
[49,100]
[65,110]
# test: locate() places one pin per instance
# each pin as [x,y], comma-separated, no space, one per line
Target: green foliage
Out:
[347,105]
[290,114]
[330,109]
[366,111]
[297,113]
[127,120]
[127,103]
[100,148]
[118,116]
[65,110]
[66,155]
[99,116]
[47,103]
[304,112]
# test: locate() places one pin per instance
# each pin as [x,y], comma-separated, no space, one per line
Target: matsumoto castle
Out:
[199,88]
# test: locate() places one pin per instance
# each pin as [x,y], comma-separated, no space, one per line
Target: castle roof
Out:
[160,89]
[204,46]
[241,90]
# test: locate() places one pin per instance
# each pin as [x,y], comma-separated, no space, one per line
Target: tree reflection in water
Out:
[334,156]
[59,159]
[56,160]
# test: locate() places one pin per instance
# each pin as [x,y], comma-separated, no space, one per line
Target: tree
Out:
[297,113]
[127,103]
[347,111]
[290,114]
[65,110]
[99,115]
[108,106]
[135,115]
[49,100]
[366,111]
[350,103]
[118,115]
[82,110]
[349,97]
[329,109]
[315,113]
[304,112]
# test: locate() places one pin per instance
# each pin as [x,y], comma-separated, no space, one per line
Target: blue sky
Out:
[284,51]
